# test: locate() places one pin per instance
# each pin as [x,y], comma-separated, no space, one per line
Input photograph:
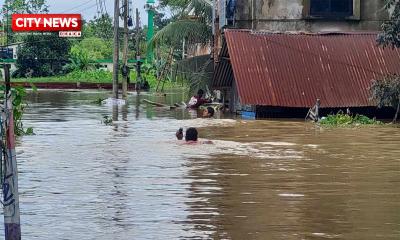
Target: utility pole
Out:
[138,76]
[12,225]
[125,71]
[116,49]
[6,25]
[150,28]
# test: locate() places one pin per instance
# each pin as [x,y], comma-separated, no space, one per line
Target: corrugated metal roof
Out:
[293,70]
[223,74]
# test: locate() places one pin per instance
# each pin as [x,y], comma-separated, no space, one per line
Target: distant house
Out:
[104,64]
[280,74]
[9,55]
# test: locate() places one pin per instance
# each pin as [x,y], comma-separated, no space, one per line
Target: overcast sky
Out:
[89,8]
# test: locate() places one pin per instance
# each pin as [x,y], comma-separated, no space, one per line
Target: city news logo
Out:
[67,25]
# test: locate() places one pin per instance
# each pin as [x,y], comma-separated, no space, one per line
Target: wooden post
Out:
[12,225]
[317,106]
[116,49]
[125,52]
[397,112]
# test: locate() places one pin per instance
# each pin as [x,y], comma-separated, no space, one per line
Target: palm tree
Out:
[193,25]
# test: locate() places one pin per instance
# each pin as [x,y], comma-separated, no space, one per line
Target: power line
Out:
[88,8]
[78,6]
[105,6]
[98,9]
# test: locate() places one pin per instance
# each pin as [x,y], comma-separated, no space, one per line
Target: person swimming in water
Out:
[191,136]
[179,134]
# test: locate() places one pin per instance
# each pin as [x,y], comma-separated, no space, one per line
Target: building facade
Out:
[310,15]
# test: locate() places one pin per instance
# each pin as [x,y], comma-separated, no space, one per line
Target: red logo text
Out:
[46,22]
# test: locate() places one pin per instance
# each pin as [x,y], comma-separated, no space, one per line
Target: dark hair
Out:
[179,134]
[191,134]
[200,92]
[211,111]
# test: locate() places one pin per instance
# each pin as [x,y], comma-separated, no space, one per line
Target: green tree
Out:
[100,27]
[391,29]
[25,6]
[192,23]
[78,60]
[20,6]
[97,48]
[42,55]
[88,50]
[386,92]
[160,21]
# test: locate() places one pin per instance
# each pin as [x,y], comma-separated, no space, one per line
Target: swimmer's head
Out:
[191,134]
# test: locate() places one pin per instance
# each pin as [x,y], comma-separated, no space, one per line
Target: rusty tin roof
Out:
[293,70]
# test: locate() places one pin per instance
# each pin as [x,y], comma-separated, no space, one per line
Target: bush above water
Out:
[341,119]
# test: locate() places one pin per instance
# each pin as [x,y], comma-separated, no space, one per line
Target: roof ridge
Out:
[322,33]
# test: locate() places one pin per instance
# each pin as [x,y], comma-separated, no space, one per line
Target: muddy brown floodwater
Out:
[82,179]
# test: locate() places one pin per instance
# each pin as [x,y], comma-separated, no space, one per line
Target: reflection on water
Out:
[81,179]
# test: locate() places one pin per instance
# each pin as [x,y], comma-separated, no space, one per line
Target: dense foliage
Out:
[391,29]
[386,92]
[25,6]
[18,94]
[341,119]
[191,22]
[19,6]
[88,51]
[99,27]
[42,55]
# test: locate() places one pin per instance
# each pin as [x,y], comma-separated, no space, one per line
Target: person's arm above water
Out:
[201,101]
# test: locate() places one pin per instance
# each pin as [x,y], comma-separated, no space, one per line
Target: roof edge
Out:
[326,33]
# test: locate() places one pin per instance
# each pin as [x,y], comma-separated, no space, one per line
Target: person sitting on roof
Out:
[198,100]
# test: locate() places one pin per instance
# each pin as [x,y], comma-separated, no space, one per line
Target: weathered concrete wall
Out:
[291,15]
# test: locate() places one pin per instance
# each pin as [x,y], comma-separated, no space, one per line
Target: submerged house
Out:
[279,57]
[276,74]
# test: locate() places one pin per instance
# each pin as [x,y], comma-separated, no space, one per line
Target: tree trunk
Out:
[397,112]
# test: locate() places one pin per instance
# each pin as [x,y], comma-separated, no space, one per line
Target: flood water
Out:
[82,179]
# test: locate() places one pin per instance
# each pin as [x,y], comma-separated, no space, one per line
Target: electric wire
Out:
[78,6]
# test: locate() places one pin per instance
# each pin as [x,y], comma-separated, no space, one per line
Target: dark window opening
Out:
[331,8]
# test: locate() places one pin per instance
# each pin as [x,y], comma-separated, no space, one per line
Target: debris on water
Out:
[113,102]
[107,120]
[29,131]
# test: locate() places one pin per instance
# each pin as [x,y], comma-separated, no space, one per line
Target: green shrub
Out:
[341,119]
[18,94]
